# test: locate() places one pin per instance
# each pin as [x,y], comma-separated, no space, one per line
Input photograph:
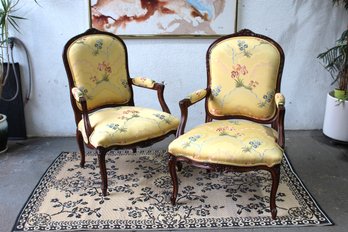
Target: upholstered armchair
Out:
[244,100]
[101,94]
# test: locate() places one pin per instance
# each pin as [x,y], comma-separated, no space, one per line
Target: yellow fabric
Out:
[143,82]
[243,72]
[197,95]
[76,92]
[127,125]
[279,99]
[98,66]
[230,142]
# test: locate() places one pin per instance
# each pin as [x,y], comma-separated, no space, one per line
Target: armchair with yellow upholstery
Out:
[101,94]
[244,100]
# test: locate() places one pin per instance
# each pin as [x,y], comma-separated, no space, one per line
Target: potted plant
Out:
[8,19]
[336,63]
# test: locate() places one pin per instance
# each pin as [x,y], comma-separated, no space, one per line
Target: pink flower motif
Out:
[239,70]
[93,79]
[234,74]
[104,66]
[243,70]
[225,128]
[253,84]
[108,69]
[130,112]
[100,67]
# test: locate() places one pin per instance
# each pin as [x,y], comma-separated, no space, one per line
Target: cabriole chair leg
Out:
[179,166]
[81,145]
[103,173]
[172,170]
[275,172]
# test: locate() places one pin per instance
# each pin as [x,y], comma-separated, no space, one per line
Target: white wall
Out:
[303,28]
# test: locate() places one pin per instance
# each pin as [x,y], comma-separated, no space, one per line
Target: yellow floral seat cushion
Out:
[127,125]
[230,142]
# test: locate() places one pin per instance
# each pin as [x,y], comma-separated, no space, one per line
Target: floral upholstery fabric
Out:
[98,66]
[143,82]
[230,142]
[77,93]
[279,99]
[243,76]
[197,95]
[127,125]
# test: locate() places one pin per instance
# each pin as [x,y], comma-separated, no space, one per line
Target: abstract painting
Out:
[164,17]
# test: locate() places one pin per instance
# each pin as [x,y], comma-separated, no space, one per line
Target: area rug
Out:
[68,198]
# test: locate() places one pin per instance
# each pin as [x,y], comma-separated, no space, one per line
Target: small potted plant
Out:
[336,63]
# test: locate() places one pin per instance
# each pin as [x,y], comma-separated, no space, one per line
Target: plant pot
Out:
[3,133]
[335,121]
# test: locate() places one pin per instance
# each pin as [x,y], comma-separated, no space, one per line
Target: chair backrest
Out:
[244,72]
[96,63]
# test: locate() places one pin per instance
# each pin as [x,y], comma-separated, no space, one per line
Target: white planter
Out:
[335,120]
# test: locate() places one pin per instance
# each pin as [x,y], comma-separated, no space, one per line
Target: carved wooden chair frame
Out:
[277,123]
[84,113]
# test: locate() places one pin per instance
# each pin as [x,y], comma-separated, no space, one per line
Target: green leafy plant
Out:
[8,18]
[335,59]
[338,2]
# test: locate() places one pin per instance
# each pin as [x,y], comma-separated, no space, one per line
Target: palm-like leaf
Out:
[336,61]
[344,2]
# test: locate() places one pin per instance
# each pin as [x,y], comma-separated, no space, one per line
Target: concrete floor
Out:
[321,164]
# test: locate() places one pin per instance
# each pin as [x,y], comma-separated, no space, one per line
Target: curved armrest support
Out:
[80,98]
[279,123]
[185,103]
[151,84]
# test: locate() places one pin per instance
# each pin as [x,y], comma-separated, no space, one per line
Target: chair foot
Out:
[82,164]
[173,200]
[105,192]
[274,213]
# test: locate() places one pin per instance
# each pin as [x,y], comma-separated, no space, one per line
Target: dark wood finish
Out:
[159,87]
[83,113]
[80,143]
[277,123]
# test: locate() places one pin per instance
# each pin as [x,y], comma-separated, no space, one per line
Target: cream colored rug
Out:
[68,198]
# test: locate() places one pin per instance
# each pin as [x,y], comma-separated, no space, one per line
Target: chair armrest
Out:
[279,99]
[143,82]
[77,94]
[147,83]
[185,103]
[80,98]
[197,96]
[279,122]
